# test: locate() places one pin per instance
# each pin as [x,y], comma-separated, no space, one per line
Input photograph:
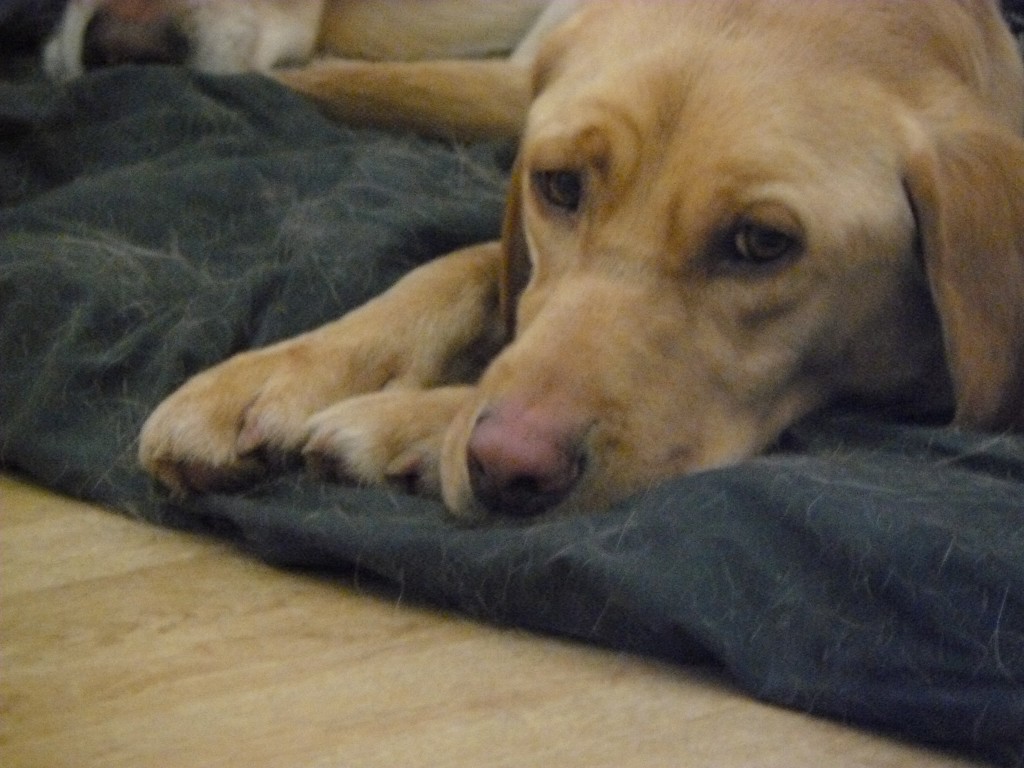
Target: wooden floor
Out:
[127,645]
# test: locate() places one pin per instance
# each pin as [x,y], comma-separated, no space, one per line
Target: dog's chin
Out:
[606,477]
[613,469]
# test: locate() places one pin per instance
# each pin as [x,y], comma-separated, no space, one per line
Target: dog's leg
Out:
[439,324]
[463,99]
[424,30]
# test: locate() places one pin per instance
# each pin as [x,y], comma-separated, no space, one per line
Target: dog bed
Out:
[153,223]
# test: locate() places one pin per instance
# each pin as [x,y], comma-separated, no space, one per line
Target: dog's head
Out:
[718,224]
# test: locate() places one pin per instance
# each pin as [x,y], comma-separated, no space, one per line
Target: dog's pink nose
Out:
[522,462]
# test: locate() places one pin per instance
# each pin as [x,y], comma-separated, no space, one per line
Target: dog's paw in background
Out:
[214,36]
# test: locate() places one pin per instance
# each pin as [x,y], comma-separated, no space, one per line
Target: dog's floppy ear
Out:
[966,185]
[515,252]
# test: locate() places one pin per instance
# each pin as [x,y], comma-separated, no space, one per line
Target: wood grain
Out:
[124,644]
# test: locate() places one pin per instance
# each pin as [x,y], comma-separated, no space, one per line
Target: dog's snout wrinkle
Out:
[522,463]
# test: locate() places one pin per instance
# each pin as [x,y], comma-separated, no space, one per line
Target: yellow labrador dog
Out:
[725,214]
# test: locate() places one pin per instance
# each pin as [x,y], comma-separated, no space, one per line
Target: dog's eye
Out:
[562,189]
[758,244]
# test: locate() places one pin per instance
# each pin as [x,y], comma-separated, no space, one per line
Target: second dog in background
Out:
[456,68]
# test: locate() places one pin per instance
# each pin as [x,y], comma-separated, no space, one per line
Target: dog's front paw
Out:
[223,428]
[226,426]
[391,438]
